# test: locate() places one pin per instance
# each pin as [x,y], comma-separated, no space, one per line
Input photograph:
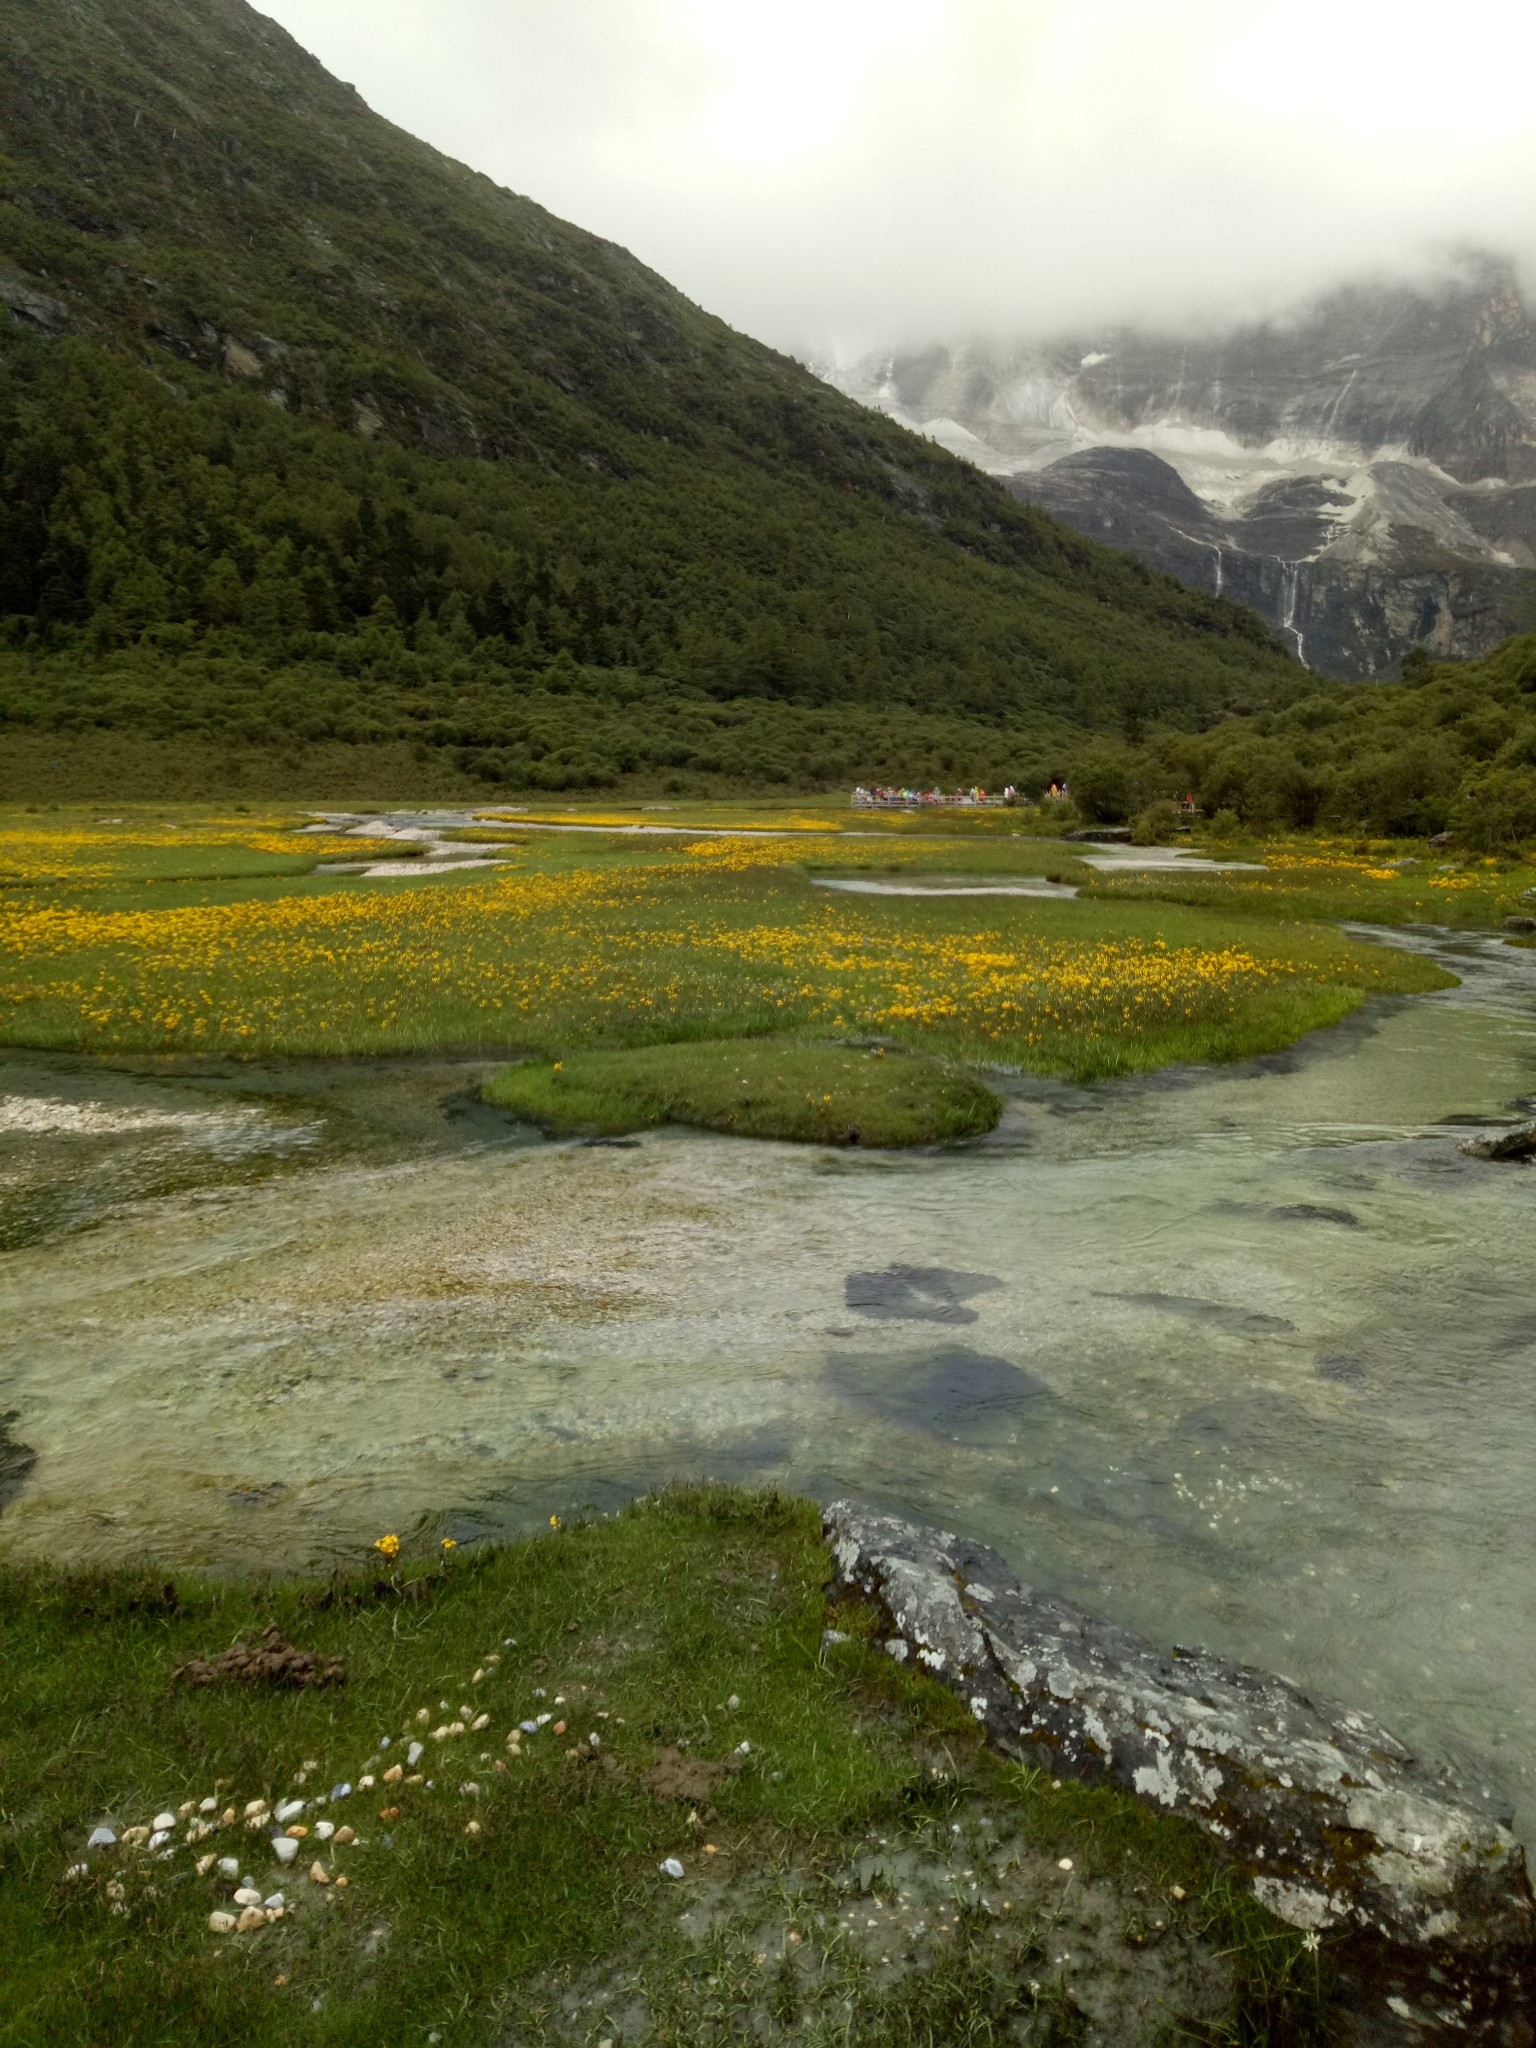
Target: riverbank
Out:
[534,1737]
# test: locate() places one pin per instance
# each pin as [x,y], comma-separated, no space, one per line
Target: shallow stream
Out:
[1244,1357]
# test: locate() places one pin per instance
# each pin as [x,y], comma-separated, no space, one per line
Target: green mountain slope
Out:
[310,434]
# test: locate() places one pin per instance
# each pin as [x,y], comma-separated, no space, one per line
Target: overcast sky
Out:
[837,174]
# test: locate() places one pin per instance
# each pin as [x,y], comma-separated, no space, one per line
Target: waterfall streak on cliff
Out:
[1292,575]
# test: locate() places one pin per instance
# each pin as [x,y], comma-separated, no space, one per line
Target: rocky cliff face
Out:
[1363,474]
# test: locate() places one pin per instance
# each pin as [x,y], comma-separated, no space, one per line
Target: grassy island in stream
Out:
[754,1088]
[830,1811]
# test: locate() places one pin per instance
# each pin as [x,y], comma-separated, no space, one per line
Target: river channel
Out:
[1243,1357]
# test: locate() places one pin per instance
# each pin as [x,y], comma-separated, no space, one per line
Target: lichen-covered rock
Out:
[1331,1822]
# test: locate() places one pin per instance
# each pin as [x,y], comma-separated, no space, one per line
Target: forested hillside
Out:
[309,435]
[1450,748]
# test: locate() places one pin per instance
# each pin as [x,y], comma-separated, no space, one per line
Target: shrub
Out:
[1156,825]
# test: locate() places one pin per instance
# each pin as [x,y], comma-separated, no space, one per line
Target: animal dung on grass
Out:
[263,1660]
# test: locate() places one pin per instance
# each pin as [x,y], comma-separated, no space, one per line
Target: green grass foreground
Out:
[754,1088]
[513,1894]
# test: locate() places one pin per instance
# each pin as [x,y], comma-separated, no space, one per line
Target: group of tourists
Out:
[882,798]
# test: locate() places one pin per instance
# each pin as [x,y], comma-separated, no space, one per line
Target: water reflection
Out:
[1241,1357]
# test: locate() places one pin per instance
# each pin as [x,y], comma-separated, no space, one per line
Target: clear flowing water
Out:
[1244,1356]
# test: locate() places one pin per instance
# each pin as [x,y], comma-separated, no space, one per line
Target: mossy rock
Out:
[808,1093]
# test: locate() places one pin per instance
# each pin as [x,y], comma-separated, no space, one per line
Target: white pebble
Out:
[324,1829]
[253,1807]
[671,1868]
[341,1791]
[365,1782]
[102,1838]
[163,1823]
[414,1754]
[160,1837]
[480,1721]
[285,1848]
[275,1902]
[208,1806]
[1065,1863]
[247,1896]
[77,1870]
[228,1867]
[222,1923]
[733,1702]
[289,1810]
[743,1749]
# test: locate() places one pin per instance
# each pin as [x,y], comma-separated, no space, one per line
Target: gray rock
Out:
[1516,1141]
[1327,1819]
[30,307]
[1520,924]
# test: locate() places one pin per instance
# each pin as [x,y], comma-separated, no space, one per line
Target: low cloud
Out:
[833,174]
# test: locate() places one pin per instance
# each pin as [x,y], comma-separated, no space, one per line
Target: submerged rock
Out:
[1327,1819]
[16,1460]
[921,1294]
[1516,1141]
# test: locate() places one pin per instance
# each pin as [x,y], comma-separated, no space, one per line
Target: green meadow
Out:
[197,933]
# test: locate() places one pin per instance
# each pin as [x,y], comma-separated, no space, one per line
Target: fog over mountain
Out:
[843,175]
[1361,471]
